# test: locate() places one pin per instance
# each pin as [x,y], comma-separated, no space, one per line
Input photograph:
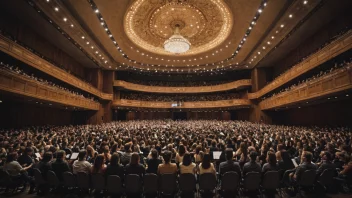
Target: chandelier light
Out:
[177,44]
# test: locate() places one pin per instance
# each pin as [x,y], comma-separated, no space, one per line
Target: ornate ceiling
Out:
[206,24]
[129,34]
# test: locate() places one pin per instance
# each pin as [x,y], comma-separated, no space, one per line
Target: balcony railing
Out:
[335,48]
[184,105]
[26,87]
[340,80]
[199,89]
[19,52]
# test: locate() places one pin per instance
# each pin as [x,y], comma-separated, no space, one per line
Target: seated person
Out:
[153,162]
[60,165]
[206,166]
[271,164]
[134,167]
[229,164]
[252,165]
[187,166]
[81,165]
[306,164]
[26,158]
[326,163]
[167,167]
[115,168]
[99,165]
[45,164]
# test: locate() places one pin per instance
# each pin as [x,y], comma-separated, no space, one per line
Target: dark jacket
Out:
[228,166]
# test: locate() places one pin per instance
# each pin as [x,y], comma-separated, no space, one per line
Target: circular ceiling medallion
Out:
[204,23]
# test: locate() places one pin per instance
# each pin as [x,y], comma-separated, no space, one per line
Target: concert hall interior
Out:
[99,96]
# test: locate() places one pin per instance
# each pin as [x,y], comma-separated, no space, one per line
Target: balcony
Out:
[17,51]
[330,51]
[200,89]
[185,105]
[338,81]
[15,84]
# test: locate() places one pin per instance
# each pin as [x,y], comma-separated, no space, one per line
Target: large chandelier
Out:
[177,44]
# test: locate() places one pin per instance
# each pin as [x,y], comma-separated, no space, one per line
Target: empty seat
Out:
[114,185]
[150,185]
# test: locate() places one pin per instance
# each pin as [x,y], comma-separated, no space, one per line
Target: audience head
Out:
[253,155]
[154,154]
[181,150]
[114,160]
[187,159]
[98,163]
[134,159]
[229,154]
[60,155]
[47,157]
[271,158]
[167,157]
[82,155]
[206,161]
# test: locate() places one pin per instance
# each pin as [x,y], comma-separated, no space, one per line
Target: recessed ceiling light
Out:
[282,25]
[272,37]
[56,9]
[269,43]
[347,95]
[305,2]
[65,19]
[260,10]
[72,25]
[96,11]
[290,16]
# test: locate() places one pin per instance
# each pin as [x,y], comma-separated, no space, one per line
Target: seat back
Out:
[308,178]
[271,180]
[133,183]
[98,181]
[83,180]
[187,182]
[252,181]
[69,180]
[207,182]
[38,177]
[114,184]
[168,183]
[327,177]
[230,181]
[52,179]
[150,183]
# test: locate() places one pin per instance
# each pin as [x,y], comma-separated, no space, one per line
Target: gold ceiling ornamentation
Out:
[205,24]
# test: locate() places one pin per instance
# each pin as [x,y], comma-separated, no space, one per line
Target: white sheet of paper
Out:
[216,154]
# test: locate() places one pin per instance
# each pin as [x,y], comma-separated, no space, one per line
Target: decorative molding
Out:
[338,81]
[17,51]
[330,51]
[25,87]
[185,105]
[200,89]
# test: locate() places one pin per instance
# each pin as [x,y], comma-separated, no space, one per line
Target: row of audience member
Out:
[43,81]
[165,146]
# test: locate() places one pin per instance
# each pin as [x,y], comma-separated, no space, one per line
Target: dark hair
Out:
[82,154]
[127,147]
[154,153]
[229,153]
[11,157]
[134,159]
[206,161]
[308,155]
[60,154]
[167,157]
[98,163]
[271,158]
[280,147]
[328,156]
[253,155]
[114,160]
[213,143]
[47,157]
[187,159]
[28,150]
[181,150]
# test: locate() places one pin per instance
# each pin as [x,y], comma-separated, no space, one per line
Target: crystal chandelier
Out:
[177,44]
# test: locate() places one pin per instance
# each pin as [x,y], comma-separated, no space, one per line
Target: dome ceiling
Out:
[129,34]
[206,24]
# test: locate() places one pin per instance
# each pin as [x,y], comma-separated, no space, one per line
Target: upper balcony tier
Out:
[338,81]
[25,87]
[19,52]
[328,52]
[200,89]
[183,105]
